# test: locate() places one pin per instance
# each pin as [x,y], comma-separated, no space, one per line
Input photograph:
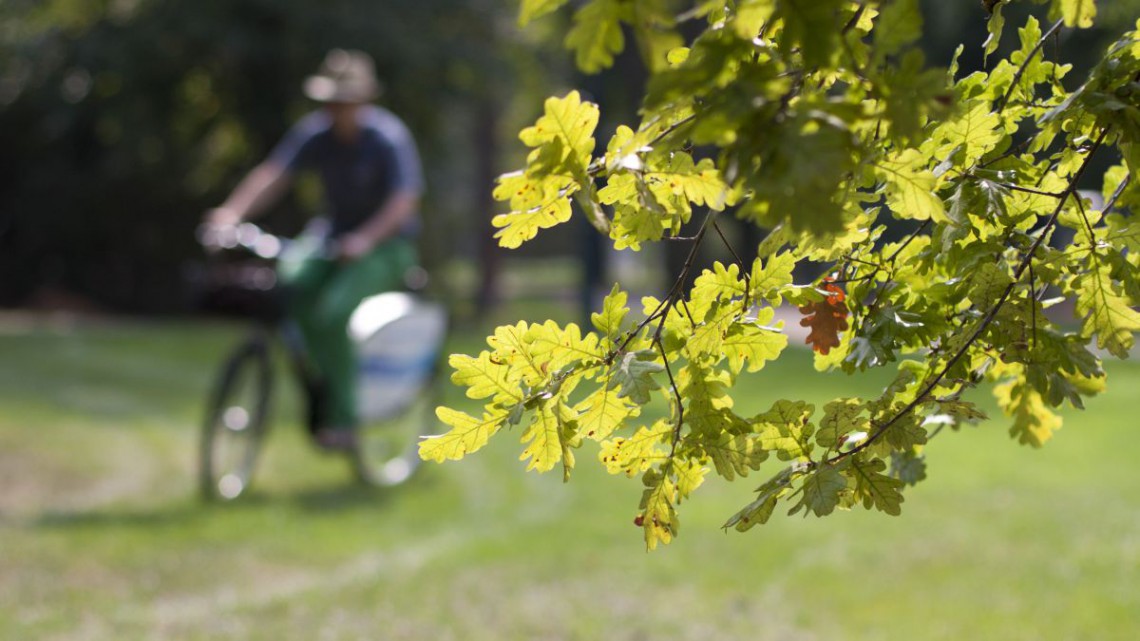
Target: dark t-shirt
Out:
[357,177]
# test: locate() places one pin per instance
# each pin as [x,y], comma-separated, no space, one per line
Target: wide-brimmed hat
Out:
[344,76]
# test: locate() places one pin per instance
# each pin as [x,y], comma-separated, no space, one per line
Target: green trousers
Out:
[321,296]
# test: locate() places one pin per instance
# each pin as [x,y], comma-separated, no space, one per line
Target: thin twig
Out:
[854,20]
[661,312]
[874,304]
[853,279]
[731,250]
[671,128]
[1033,309]
[677,398]
[599,165]
[1116,194]
[1013,151]
[1025,65]
[1085,219]
[745,272]
[868,263]
[915,234]
[1027,190]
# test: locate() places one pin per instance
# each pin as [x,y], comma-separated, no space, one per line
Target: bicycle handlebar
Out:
[263,244]
[247,236]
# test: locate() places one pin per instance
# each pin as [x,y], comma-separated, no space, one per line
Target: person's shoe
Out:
[336,440]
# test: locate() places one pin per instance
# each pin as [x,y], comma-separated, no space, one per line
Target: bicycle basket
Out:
[398,337]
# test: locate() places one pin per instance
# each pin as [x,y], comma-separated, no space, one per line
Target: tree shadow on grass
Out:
[338,497]
[345,496]
[327,499]
[179,514]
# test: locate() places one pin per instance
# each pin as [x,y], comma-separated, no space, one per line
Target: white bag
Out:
[398,338]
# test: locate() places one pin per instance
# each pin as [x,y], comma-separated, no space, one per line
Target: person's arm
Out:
[396,211]
[401,206]
[259,189]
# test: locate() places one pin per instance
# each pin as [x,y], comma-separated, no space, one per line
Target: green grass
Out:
[101,535]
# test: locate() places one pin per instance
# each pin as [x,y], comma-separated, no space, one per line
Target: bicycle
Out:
[399,336]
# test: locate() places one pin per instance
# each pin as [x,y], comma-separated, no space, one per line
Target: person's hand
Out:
[222,217]
[353,246]
[219,228]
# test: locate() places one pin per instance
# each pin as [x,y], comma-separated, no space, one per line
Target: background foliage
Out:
[123,120]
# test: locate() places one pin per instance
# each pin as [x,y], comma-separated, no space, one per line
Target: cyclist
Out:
[370,169]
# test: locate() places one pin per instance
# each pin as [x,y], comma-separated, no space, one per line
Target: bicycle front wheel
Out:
[387,450]
[236,422]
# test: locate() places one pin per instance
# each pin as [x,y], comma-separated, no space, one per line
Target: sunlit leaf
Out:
[468,434]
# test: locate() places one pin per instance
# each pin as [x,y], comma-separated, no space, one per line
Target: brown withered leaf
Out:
[826,319]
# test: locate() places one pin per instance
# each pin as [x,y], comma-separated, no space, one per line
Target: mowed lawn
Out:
[102,535]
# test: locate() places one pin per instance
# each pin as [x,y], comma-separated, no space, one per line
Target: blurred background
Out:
[122,121]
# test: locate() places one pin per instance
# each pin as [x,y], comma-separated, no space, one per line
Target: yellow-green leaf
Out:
[658,516]
[1075,13]
[751,15]
[911,187]
[840,418]
[770,277]
[707,389]
[976,132]
[995,26]
[602,412]
[718,284]
[596,35]
[735,455]
[707,338]
[614,311]
[633,225]
[1107,312]
[570,123]
[536,204]
[821,491]
[554,347]
[752,344]
[690,476]
[876,489]
[485,378]
[635,454]
[532,9]
[468,434]
[1033,422]
[698,183]
[899,24]
[760,510]
[544,445]
[511,347]
[786,429]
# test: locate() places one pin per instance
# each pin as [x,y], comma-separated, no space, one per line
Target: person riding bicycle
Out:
[370,169]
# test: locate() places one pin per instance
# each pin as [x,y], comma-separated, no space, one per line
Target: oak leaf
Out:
[826,319]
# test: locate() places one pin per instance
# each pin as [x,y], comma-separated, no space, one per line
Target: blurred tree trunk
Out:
[486,152]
